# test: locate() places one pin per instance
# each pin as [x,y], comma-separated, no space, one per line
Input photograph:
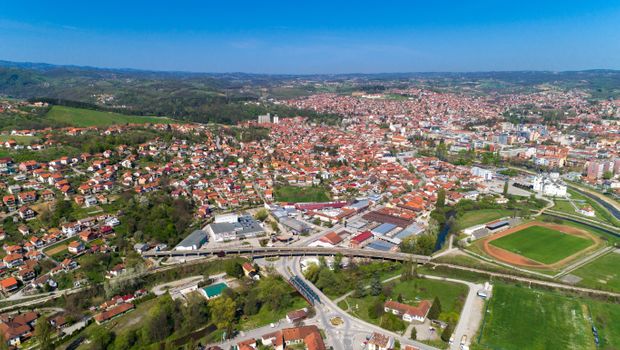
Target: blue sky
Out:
[315,36]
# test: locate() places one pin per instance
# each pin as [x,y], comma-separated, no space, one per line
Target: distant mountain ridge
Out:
[224,97]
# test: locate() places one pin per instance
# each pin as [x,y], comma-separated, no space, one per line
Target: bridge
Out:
[259,252]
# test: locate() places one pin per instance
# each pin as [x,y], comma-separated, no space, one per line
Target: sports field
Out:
[602,273]
[85,117]
[542,244]
[523,318]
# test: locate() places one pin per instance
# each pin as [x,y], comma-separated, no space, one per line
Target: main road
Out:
[353,330]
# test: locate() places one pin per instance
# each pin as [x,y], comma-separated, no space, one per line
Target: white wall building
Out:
[549,185]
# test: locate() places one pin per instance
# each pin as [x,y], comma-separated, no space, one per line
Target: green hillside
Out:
[85,117]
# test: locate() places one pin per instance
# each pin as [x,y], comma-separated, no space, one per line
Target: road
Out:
[343,337]
[471,314]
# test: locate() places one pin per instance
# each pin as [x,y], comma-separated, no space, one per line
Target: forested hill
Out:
[222,98]
[231,97]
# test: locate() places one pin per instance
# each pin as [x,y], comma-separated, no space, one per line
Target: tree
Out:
[375,310]
[414,334]
[375,285]
[261,215]
[274,293]
[392,322]
[126,340]
[409,271]
[327,281]
[234,269]
[505,192]
[100,338]
[312,273]
[251,305]
[43,333]
[447,332]
[360,290]
[223,312]
[337,261]
[195,313]
[441,198]
[158,325]
[435,310]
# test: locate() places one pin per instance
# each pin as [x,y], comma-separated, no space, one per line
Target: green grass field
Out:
[266,315]
[85,117]
[451,296]
[602,273]
[297,194]
[477,217]
[542,244]
[522,318]
[22,140]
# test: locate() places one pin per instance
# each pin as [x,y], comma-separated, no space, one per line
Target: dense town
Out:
[114,205]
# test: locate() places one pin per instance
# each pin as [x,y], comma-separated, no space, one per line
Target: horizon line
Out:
[146,70]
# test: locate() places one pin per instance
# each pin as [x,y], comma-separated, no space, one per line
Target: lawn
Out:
[266,316]
[477,217]
[542,244]
[566,207]
[602,273]
[451,297]
[297,194]
[521,318]
[85,117]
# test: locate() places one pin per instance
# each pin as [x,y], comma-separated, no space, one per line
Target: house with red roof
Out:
[330,240]
[407,312]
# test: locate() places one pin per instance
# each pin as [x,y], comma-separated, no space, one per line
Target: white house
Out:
[549,185]
[407,312]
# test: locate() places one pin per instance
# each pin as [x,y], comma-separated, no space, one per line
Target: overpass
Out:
[259,252]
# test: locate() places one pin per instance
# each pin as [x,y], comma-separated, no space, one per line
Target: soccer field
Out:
[542,244]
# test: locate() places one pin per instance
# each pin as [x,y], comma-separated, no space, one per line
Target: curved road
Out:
[353,328]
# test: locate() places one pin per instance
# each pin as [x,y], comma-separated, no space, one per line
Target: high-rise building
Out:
[595,170]
[276,119]
[264,119]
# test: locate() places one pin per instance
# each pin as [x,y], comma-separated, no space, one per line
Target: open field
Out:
[542,244]
[477,217]
[85,117]
[57,248]
[602,273]
[522,318]
[297,194]
[22,140]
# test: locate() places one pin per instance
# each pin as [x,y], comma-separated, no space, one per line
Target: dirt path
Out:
[519,260]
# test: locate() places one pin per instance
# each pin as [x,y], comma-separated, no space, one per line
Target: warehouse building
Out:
[244,227]
[194,241]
